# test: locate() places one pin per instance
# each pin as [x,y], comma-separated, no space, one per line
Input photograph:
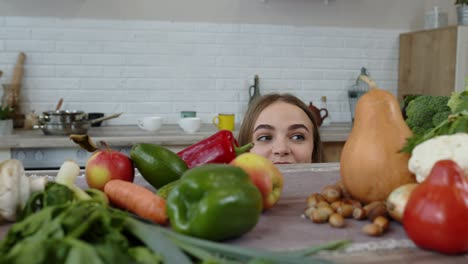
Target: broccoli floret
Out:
[440,117]
[419,130]
[421,110]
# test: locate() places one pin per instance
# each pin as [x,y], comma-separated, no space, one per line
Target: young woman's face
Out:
[283,133]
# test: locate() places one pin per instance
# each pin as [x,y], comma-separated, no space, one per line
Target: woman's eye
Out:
[263,138]
[298,137]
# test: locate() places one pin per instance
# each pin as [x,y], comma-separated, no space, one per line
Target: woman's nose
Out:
[281,148]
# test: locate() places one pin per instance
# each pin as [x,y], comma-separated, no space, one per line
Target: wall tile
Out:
[161,67]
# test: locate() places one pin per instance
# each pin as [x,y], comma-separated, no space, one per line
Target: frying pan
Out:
[73,127]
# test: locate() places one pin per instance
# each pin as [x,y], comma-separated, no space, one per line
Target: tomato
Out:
[436,215]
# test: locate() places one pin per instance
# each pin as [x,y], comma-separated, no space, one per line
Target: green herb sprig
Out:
[6,112]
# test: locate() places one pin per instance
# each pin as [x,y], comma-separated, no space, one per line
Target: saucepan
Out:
[79,125]
[62,116]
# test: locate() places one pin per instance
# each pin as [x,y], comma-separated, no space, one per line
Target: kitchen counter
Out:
[37,150]
[282,227]
[169,135]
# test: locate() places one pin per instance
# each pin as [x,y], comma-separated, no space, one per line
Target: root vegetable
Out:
[336,220]
[359,213]
[321,215]
[308,212]
[372,230]
[137,199]
[331,193]
[375,209]
[354,203]
[396,201]
[336,204]
[382,222]
[345,210]
[314,199]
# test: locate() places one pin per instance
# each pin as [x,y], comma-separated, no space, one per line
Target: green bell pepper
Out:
[215,202]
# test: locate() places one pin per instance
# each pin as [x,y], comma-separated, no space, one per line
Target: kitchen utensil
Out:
[184,114]
[150,123]
[254,90]
[63,129]
[94,121]
[224,121]
[318,113]
[17,77]
[190,124]
[59,104]
[92,116]
[18,71]
[74,127]
[62,116]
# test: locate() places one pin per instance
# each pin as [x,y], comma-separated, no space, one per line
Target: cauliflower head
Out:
[425,155]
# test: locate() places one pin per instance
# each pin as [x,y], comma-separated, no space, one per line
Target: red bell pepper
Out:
[436,214]
[221,147]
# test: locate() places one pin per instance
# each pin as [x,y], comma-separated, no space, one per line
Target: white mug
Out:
[150,123]
[190,124]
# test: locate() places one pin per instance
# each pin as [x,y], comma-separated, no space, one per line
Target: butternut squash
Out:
[371,166]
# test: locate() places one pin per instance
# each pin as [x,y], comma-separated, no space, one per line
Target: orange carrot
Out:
[136,199]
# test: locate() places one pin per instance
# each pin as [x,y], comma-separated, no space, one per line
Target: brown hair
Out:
[261,102]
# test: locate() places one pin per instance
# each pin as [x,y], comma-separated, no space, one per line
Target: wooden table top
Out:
[283,227]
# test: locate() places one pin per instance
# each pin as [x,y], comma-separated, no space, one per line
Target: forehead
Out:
[282,113]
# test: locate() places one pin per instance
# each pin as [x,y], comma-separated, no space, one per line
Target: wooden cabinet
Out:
[433,62]
[332,151]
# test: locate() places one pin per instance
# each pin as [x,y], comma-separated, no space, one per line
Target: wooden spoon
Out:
[59,104]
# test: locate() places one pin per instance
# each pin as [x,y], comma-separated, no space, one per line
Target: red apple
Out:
[264,174]
[108,164]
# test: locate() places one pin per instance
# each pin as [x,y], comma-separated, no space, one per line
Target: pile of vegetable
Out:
[70,225]
[431,116]
[334,205]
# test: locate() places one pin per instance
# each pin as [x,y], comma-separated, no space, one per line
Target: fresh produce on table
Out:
[221,147]
[108,164]
[16,188]
[264,174]
[105,164]
[332,205]
[67,174]
[456,122]
[371,166]
[397,200]
[70,228]
[425,112]
[436,214]
[215,202]
[137,199]
[425,155]
[157,164]
[61,191]
[164,191]
[79,232]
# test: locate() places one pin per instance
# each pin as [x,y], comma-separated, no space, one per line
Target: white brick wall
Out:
[160,68]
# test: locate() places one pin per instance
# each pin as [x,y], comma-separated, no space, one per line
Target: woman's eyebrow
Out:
[264,126]
[297,126]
